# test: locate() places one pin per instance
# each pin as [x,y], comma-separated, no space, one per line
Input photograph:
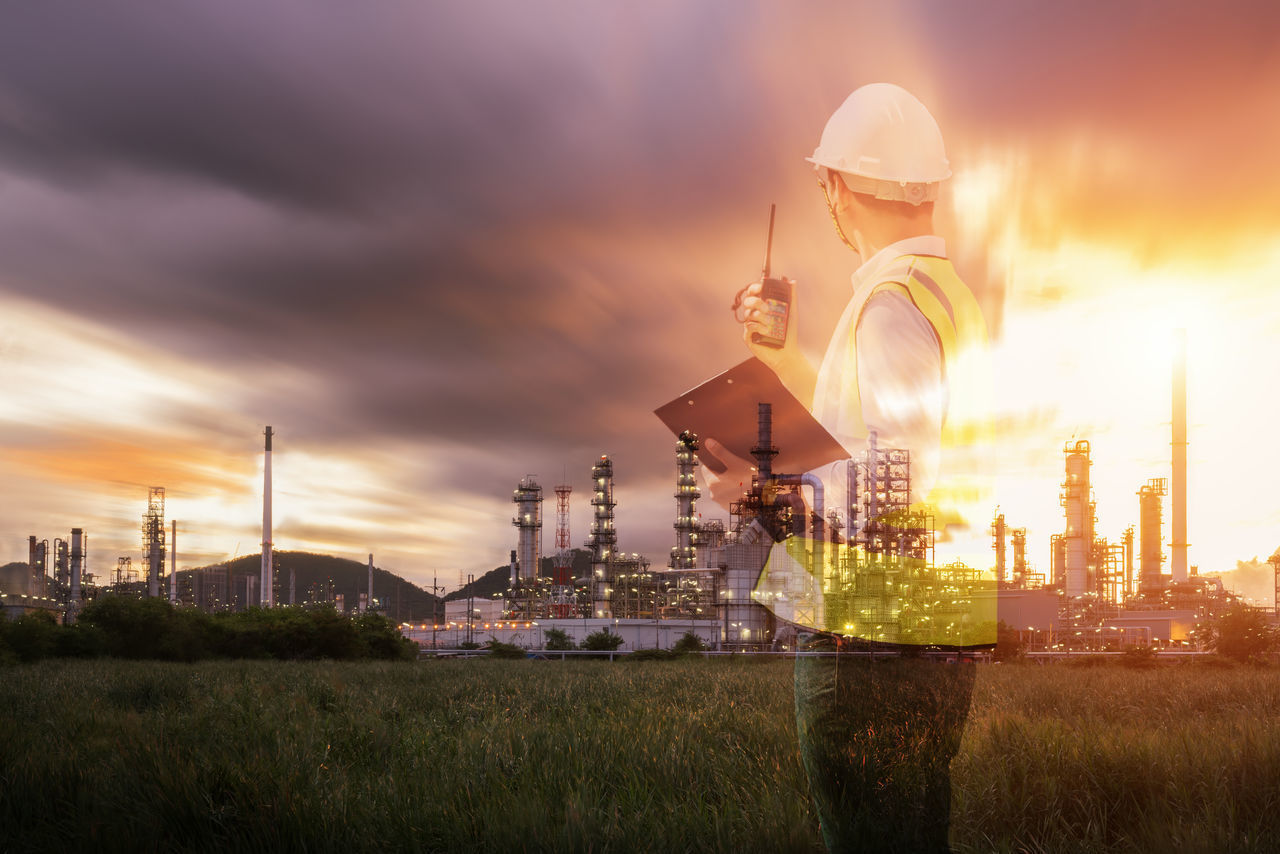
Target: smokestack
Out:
[997,533]
[370,581]
[764,451]
[1179,545]
[266,579]
[173,563]
[77,564]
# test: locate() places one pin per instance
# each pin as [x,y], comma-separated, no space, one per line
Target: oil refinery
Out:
[865,570]
[786,559]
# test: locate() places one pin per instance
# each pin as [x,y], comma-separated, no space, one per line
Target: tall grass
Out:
[687,755]
[1065,759]
[459,756]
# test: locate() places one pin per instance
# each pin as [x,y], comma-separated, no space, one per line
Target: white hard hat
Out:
[884,143]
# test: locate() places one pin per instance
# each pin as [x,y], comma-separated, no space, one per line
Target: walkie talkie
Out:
[776,294]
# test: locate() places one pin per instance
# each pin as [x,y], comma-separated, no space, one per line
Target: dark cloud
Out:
[503,226]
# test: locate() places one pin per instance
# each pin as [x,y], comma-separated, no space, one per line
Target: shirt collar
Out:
[925,244]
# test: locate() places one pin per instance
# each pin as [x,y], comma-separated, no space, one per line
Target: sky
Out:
[439,247]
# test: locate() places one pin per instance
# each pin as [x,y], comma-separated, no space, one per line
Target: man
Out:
[905,364]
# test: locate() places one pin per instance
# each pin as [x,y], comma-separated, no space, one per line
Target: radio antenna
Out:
[768,246]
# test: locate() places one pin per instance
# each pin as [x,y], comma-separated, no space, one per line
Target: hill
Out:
[14,577]
[320,577]
[496,580]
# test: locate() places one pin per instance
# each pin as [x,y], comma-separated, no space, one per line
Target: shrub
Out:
[498,649]
[652,655]
[557,639]
[1243,634]
[1140,657]
[154,629]
[602,641]
[32,636]
[689,642]
[1009,645]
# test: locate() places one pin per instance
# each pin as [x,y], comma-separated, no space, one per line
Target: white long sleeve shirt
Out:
[899,388]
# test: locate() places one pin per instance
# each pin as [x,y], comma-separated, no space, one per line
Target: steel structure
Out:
[683,553]
[563,602]
[1274,560]
[604,537]
[1021,575]
[1151,523]
[528,519]
[998,543]
[38,563]
[77,565]
[153,539]
[1079,507]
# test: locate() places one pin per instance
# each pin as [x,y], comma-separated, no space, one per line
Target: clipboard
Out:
[725,408]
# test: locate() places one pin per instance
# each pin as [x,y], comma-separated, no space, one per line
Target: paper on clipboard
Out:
[725,408]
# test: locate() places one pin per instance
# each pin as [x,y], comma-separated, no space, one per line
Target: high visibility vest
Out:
[950,605]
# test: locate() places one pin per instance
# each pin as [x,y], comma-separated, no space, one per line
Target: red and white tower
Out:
[562,567]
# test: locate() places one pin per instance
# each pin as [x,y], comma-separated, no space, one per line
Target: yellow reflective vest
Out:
[903,598]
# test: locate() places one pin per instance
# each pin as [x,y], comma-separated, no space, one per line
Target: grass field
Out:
[583,755]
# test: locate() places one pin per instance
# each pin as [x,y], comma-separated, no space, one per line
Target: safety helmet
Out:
[884,143]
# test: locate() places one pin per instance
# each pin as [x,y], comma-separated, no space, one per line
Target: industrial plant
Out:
[62,584]
[865,570]
[786,560]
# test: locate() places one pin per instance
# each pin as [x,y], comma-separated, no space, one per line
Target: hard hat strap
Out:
[831,209]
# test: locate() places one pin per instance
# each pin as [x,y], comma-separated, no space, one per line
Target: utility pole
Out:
[435,618]
[471,605]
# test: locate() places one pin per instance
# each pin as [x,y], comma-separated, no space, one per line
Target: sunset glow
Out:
[458,254]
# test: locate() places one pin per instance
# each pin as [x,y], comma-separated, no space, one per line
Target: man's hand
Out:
[792,368]
[726,486]
[755,320]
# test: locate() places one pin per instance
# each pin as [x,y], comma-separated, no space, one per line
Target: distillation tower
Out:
[683,554]
[1079,506]
[1150,521]
[528,519]
[153,535]
[998,531]
[604,537]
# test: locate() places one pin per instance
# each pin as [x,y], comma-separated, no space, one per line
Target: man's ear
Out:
[841,196]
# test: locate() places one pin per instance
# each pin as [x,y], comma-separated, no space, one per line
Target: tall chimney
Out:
[1179,545]
[173,562]
[265,578]
[77,564]
[370,607]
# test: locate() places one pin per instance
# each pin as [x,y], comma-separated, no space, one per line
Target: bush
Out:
[498,649]
[602,641]
[1009,645]
[557,639]
[1140,657]
[688,643]
[1243,633]
[154,629]
[32,636]
[652,655]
